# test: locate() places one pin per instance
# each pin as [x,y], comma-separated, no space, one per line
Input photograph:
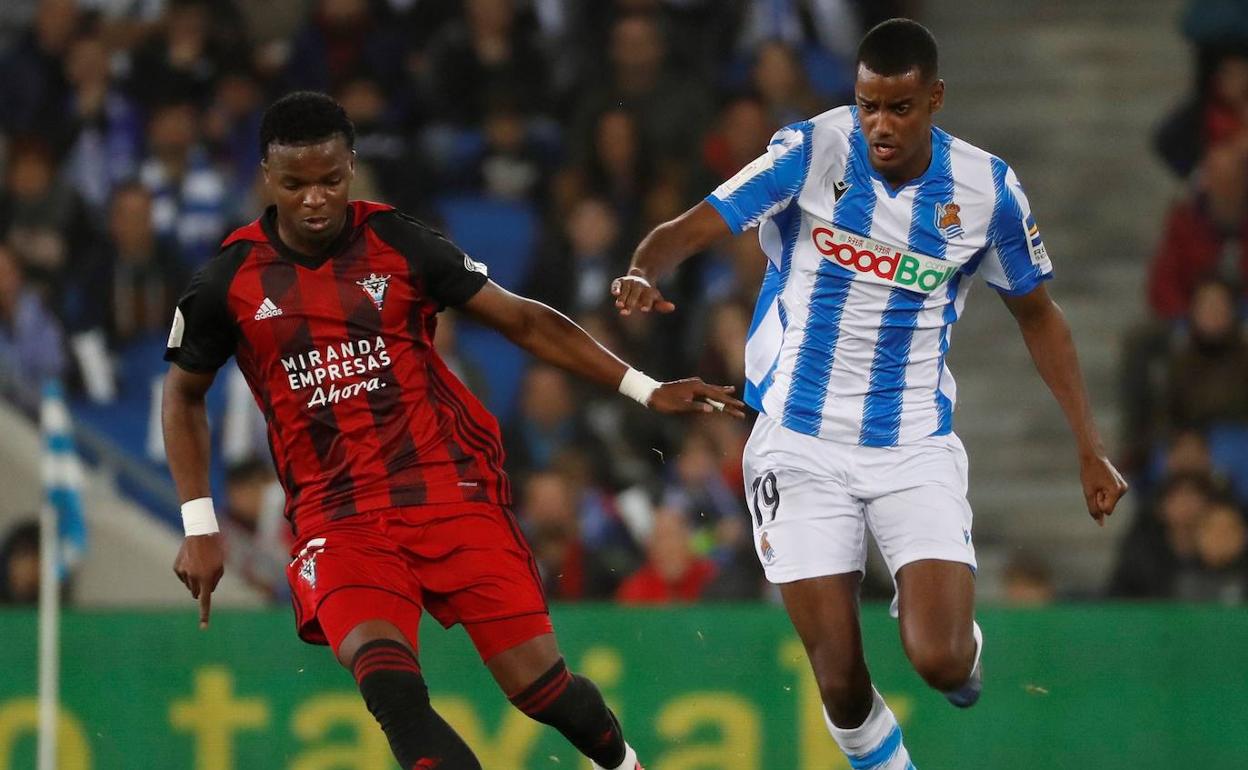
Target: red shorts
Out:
[466,564]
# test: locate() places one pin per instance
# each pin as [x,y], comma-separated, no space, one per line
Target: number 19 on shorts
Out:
[766,497]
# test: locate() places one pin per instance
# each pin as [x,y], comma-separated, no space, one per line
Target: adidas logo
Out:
[267,310]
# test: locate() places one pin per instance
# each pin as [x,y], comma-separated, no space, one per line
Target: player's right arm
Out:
[660,252]
[203,337]
[184,419]
[759,190]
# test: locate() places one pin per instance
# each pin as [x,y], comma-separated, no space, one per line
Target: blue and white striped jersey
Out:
[863,281]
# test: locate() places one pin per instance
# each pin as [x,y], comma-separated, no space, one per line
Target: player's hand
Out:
[1103,486]
[200,565]
[636,291]
[693,396]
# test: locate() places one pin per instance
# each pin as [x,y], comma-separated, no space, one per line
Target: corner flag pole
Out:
[49,636]
[62,541]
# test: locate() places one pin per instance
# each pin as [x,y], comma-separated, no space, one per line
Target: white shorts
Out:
[811,501]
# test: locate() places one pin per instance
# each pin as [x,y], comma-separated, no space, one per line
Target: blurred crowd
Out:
[128,149]
[1185,371]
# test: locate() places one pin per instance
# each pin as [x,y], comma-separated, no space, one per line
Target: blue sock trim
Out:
[880,754]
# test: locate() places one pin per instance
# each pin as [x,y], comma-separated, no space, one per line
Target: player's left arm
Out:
[1052,349]
[554,338]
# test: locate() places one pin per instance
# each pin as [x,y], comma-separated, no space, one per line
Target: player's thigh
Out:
[349,575]
[936,603]
[475,568]
[918,509]
[806,523]
[824,612]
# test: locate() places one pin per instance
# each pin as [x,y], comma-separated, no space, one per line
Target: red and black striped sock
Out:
[572,705]
[395,692]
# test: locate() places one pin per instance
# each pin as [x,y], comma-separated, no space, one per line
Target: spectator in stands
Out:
[586,256]
[31,343]
[833,26]
[1218,106]
[672,572]
[570,571]
[613,166]
[512,165]
[671,110]
[742,127]
[341,40]
[42,219]
[104,132]
[33,90]
[130,289]
[1188,452]
[602,528]
[187,55]
[189,194]
[1206,234]
[723,357]
[1028,581]
[483,57]
[19,565]
[780,81]
[707,484]
[548,422]
[698,487]
[1163,539]
[386,168]
[256,533]
[231,124]
[1219,571]
[1208,374]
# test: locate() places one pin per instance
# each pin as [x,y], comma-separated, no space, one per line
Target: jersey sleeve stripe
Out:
[767,184]
[1008,238]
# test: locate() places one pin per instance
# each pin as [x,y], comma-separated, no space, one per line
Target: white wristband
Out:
[198,517]
[637,386]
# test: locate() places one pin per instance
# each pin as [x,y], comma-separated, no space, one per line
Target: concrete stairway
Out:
[1067,92]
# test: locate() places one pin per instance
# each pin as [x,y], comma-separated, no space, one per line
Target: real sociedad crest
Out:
[375,288]
[947,220]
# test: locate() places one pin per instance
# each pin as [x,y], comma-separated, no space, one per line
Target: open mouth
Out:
[316,224]
[884,151]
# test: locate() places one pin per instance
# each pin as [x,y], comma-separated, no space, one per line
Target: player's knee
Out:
[368,631]
[944,666]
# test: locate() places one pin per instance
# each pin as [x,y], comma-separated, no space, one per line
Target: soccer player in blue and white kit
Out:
[874,223]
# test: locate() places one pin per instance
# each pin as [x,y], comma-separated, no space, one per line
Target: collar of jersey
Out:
[268,223]
[937,136]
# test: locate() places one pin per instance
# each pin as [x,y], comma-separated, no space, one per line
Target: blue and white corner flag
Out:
[62,478]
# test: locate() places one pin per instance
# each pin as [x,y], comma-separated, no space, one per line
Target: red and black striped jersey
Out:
[362,413]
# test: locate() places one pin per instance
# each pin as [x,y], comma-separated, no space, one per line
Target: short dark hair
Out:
[304,117]
[896,46]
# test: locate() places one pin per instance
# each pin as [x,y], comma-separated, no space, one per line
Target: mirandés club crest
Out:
[375,288]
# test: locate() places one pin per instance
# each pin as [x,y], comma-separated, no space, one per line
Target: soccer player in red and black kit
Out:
[392,469]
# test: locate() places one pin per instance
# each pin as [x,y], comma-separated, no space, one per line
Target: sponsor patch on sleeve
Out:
[1035,245]
[175,333]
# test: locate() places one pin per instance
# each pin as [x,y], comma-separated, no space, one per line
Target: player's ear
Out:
[938,96]
[264,168]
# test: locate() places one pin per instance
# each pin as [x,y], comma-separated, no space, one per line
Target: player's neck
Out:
[917,168]
[310,248]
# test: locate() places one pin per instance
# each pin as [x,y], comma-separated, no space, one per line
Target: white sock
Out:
[629,763]
[876,743]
